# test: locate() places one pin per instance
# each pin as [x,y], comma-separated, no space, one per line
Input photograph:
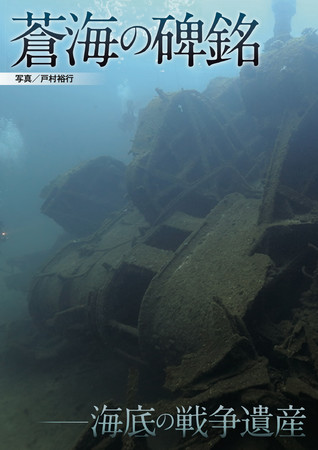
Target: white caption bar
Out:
[49,79]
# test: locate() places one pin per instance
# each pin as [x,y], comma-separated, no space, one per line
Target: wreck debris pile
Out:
[209,276]
[81,199]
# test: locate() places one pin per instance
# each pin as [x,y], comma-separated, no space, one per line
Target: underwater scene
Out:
[158,225]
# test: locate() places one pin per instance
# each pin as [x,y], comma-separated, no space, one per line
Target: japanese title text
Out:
[95,39]
[196,420]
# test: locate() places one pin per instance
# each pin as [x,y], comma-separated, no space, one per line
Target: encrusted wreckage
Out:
[209,275]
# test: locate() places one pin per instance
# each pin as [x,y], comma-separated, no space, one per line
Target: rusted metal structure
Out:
[81,199]
[209,275]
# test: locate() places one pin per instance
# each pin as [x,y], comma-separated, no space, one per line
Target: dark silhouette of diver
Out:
[129,117]
[283,10]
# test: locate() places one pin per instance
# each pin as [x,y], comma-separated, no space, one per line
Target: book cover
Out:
[158,224]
